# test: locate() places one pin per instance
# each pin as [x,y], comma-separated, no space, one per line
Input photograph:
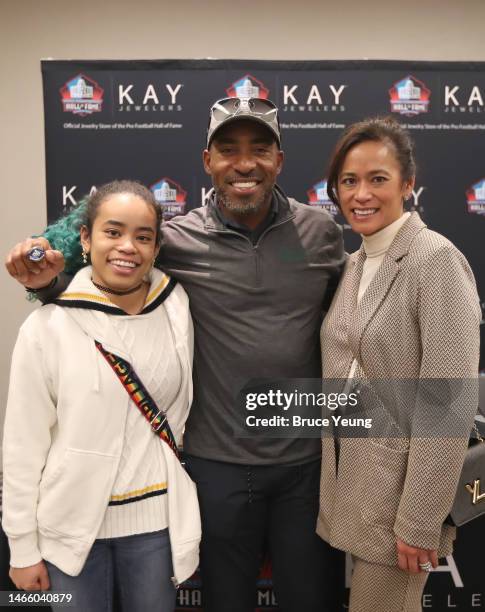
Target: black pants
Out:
[243,507]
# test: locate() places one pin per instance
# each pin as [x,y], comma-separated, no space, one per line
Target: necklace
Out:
[117,291]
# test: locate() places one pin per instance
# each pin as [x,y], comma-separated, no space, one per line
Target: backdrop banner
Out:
[147,120]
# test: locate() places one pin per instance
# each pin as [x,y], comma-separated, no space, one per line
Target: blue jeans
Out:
[134,571]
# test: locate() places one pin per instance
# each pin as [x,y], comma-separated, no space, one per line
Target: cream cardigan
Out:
[64,429]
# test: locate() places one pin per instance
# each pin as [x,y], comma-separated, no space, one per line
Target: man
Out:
[258,268]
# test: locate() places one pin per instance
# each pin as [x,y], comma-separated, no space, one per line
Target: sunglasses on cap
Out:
[259,109]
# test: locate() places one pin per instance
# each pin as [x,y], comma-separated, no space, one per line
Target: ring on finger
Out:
[36,253]
[426,567]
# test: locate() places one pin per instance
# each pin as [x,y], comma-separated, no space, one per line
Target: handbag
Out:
[469,500]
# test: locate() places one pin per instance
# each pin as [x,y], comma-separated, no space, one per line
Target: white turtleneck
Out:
[375,247]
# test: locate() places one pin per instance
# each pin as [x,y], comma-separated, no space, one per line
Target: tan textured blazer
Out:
[419,318]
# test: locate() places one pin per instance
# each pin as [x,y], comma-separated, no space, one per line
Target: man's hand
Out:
[32,578]
[34,274]
[409,557]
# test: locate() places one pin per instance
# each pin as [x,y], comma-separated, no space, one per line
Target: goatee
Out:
[240,206]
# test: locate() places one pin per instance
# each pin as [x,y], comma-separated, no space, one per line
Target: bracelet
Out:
[51,285]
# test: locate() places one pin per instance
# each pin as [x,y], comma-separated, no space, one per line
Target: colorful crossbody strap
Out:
[140,396]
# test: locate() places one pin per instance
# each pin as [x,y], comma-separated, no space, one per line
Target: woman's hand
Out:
[32,578]
[409,557]
[34,274]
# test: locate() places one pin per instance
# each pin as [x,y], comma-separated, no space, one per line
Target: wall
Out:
[273,29]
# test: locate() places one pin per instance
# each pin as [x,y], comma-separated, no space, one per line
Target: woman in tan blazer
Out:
[406,309]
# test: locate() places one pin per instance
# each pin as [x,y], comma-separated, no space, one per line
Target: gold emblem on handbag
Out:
[469,501]
[475,491]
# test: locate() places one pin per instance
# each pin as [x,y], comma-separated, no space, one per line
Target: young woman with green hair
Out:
[95,498]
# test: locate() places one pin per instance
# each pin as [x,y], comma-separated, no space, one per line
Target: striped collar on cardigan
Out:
[81,293]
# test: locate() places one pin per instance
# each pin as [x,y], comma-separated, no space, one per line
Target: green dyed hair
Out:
[64,234]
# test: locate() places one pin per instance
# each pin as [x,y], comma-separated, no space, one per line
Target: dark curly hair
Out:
[63,235]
